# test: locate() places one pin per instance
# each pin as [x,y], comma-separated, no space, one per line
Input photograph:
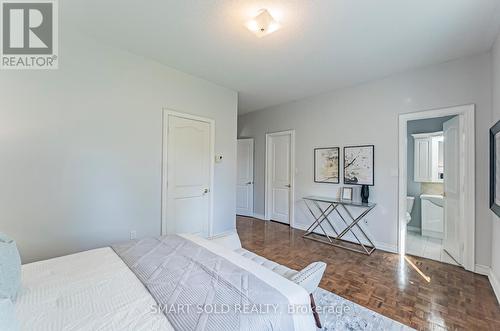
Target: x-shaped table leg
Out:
[319,219]
[355,222]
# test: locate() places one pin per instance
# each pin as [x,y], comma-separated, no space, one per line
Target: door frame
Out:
[467,183]
[252,212]
[166,113]
[267,185]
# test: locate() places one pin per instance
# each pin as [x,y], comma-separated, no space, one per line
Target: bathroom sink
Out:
[435,199]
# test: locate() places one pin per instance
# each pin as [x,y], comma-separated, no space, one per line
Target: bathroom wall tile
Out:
[432,188]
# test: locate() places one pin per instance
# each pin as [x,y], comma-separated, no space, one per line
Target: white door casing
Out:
[245,177]
[280,170]
[187,188]
[452,241]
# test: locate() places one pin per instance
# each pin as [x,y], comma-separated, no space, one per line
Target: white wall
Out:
[368,114]
[80,148]
[495,233]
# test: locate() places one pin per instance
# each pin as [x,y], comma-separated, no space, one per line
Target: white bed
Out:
[92,290]
[95,290]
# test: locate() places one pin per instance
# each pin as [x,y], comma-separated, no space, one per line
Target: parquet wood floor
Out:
[453,299]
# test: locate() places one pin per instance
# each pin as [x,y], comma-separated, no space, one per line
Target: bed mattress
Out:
[92,290]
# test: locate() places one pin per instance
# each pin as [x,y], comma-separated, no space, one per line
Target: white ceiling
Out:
[323,44]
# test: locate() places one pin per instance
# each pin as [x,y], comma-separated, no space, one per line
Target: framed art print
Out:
[359,162]
[326,165]
[495,168]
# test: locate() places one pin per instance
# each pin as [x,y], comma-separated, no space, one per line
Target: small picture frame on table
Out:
[346,193]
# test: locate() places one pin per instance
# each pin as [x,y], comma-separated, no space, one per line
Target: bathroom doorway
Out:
[426,176]
[434,172]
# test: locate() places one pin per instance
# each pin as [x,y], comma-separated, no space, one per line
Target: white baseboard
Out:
[254,215]
[378,245]
[300,226]
[494,281]
[259,216]
[386,247]
[223,234]
[482,269]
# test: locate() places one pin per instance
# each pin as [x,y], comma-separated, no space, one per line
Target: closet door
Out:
[244,180]
[188,173]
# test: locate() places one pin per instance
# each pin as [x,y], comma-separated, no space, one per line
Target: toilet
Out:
[409,208]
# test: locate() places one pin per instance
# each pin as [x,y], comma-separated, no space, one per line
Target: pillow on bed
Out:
[8,319]
[10,268]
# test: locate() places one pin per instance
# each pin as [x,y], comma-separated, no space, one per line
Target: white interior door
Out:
[452,218]
[189,165]
[244,181]
[280,176]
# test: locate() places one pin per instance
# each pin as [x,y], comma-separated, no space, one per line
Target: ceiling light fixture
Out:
[263,24]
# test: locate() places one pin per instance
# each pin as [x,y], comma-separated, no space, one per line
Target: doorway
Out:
[187,174]
[280,173]
[436,185]
[433,162]
[244,181]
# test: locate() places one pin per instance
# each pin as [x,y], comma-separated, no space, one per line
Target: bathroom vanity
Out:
[432,215]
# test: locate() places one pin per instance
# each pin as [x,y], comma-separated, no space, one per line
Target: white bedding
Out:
[92,290]
[95,290]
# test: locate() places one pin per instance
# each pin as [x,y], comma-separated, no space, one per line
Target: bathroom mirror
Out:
[438,163]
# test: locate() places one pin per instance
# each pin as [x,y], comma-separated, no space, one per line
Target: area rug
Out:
[337,313]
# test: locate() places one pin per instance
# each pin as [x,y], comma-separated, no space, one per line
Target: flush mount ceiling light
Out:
[263,24]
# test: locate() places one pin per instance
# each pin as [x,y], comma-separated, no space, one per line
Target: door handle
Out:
[205,191]
[288,185]
[249,183]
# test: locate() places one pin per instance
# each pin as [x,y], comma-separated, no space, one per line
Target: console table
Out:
[321,219]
